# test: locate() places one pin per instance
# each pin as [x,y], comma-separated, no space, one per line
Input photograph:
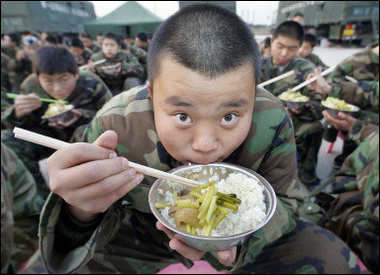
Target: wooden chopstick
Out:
[261,85]
[303,84]
[9,95]
[57,144]
[95,63]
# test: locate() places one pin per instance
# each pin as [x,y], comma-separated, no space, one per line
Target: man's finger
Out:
[162,227]
[227,257]
[185,250]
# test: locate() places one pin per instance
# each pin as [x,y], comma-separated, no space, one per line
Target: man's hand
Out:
[342,122]
[320,85]
[118,69]
[62,125]
[26,104]
[90,66]
[225,257]
[294,112]
[90,177]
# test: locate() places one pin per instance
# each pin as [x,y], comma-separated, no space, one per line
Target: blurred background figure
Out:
[306,52]
[81,54]
[51,40]
[141,40]
[298,17]
[89,43]
[99,38]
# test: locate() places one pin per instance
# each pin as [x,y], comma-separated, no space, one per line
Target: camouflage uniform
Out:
[308,129]
[313,58]
[18,71]
[353,204]
[95,47]
[5,59]
[89,95]
[10,51]
[142,56]
[130,68]
[124,239]
[364,67]
[20,208]
[86,55]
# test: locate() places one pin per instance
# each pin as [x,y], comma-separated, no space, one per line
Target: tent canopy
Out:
[130,18]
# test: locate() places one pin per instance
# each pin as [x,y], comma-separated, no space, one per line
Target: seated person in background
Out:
[286,41]
[121,71]
[306,52]
[266,51]
[20,209]
[141,55]
[21,67]
[99,38]
[56,77]
[11,44]
[297,17]
[51,40]
[89,43]
[141,41]
[364,68]
[201,106]
[352,207]
[81,54]
[128,40]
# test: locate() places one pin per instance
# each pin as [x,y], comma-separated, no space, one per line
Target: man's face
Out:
[76,51]
[298,19]
[139,43]
[199,120]
[99,39]
[128,41]
[8,41]
[86,42]
[284,50]
[59,86]
[305,50]
[110,47]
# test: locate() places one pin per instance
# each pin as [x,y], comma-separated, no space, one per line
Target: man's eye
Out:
[183,119]
[229,119]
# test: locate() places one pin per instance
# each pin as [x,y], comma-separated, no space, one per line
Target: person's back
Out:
[192,111]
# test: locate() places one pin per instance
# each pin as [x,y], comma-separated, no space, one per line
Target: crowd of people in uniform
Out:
[158,94]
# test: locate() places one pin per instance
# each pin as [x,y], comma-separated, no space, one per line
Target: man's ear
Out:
[150,89]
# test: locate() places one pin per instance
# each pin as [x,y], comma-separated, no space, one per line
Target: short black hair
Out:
[116,37]
[100,33]
[267,42]
[76,42]
[290,29]
[54,60]
[208,39]
[142,36]
[87,35]
[298,14]
[311,39]
[127,36]
[15,38]
[52,39]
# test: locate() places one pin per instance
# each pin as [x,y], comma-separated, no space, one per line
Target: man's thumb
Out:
[107,140]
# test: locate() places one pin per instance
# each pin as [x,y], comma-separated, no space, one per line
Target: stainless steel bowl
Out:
[212,243]
[334,111]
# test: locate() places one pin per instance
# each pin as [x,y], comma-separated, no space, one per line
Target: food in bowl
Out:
[111,69]
[335,103]
[293,96]
[218,208]
[57,108]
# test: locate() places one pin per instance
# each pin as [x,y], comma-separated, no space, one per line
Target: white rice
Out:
[251,211]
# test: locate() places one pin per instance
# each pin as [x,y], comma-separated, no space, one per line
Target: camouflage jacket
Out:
[89,95]
[268,149]
[353,213]
[302,69]
[95,47]
[130,67]
[313,58]
[5,59]
[139,53]
[11,52]
[364,67]
[83,59]
[18,200]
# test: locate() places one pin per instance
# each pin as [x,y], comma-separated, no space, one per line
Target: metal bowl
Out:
[298,105]
[62,117]
[111,69]
[212,243]
[334,111]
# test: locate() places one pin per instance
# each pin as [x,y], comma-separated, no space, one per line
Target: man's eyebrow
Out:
[235,103]
[292,47]
[178,102]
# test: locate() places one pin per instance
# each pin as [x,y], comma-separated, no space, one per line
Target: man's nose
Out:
[205,142]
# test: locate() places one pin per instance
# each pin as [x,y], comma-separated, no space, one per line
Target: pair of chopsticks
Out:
[303,84]
[83,67]
[57,144]
[40,98]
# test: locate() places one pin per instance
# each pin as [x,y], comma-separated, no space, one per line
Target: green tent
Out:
[131,18]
